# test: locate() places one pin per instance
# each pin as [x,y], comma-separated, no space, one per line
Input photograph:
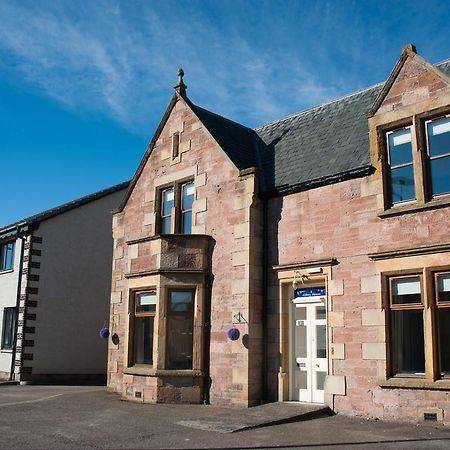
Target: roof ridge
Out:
[224,118]
[440,63]
[335,100]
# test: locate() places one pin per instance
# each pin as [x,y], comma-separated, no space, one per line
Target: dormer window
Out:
[416,168]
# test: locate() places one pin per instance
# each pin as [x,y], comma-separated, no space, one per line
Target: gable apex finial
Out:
[180,87]
[409,48]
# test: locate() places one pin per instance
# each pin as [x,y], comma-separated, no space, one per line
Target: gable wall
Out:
[414,83]
[224,204]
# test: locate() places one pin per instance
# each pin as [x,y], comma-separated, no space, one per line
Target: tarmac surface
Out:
[88,417]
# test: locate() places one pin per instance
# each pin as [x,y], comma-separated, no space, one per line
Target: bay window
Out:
[180,321]
[144,310]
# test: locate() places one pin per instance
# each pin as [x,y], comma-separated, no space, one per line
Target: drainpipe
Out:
[207,339]
[19,288]
[265,279]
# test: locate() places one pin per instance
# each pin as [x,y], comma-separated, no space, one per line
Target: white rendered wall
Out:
[74,290]
[8,298]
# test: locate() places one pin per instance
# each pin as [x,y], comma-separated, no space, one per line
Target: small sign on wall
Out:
[309,292]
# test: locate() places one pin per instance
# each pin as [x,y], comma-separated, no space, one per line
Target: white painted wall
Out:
[74,290]
[8,298]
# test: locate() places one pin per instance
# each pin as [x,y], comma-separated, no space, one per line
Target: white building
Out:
[55,277]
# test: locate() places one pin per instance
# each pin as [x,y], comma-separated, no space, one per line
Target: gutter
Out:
[318,182]
[265,290]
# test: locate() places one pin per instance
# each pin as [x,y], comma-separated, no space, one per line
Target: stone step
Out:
[258,416]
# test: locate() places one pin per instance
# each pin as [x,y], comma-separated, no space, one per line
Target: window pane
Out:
[7,256]
[443,286]
[9,325]
[146,301]
[320,312]
[180,301]
[402,184]
[439,136]
[300,335]
[400,149]
[301,379]
[321,338]
[440,175]
[143,340]
[179,330]
[186,222]
[168,197]
[320,380]
[406,291]
[188,194]
[165,225]
[408,342]
[444,339]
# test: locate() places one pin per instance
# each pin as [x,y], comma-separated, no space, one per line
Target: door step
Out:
[258,416]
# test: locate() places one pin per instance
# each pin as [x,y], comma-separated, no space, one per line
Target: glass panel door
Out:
[310,352]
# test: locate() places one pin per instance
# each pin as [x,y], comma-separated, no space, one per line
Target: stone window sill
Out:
[440,202]
[416,383]
[148,371]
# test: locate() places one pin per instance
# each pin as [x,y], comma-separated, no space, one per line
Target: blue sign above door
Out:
[309,292]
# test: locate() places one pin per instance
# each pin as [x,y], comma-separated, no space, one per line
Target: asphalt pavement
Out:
[66,417]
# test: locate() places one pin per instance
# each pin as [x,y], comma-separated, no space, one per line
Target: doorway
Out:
[309,347]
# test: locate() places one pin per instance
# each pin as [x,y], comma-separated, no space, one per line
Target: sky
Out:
[84,84]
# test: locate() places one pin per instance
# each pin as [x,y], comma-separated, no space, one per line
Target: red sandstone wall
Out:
[223,202]
[341,221]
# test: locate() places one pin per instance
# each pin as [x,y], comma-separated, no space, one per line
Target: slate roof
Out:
[323,144]
[318,143]
[11,230]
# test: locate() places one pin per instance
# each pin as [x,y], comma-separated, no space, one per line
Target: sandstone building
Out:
[308,259]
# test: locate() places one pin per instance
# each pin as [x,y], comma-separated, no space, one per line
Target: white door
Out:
[310,352]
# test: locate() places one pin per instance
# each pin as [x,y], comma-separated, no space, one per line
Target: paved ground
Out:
[83,417]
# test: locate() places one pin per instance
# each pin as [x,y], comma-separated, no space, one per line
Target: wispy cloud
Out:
[121,62]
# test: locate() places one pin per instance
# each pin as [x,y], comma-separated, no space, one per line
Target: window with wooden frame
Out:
[175,208]
[180,326]
[419,335]
[417,160]
[142,325]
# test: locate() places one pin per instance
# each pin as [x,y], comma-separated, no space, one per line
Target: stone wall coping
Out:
[146,273]
[415,383]
[415,251]
[145,371]
[304,265]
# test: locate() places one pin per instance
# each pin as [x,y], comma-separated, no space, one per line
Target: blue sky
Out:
[83,84]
